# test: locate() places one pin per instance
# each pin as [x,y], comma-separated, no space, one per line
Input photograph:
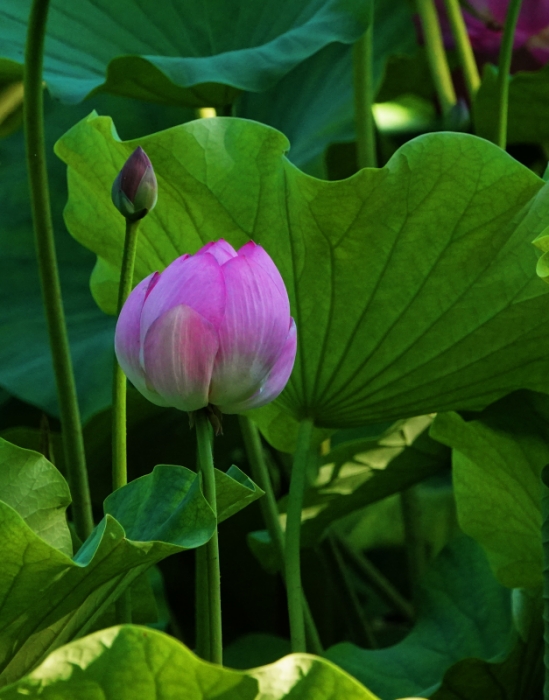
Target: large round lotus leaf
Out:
[413,286]
[185,53]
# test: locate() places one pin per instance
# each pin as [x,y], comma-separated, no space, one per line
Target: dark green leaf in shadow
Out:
[189,54]
[255,650]
[519,675]
[394,275]
[26,370]
[314,104]
[528,115]
[464,612]
[125,663]
[497,461]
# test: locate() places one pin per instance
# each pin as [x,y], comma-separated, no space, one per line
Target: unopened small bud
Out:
[135,190]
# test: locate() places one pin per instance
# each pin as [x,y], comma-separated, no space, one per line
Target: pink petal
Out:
[252,332]
[221,250]
[179,353]
[256,254]
[127,337]
[195,281]
[276,379]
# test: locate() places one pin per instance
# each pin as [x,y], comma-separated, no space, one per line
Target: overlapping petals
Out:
[213,328]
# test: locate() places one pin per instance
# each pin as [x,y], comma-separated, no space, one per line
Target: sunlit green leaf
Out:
[58,597]
[413,286]
[497,461]
[125,663]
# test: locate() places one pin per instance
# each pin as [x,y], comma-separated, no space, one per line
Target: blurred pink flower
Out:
[213,328]
[485,20]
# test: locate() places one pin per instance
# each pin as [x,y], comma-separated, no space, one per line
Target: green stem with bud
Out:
[119,391]
[73,442]
[119,387]
[211,592]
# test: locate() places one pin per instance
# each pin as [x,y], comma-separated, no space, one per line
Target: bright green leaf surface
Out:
[280,429]
[464,612]
[413,287]
[34,488]
[125,663]
[179,53]
[356,474]
[57,597]
[497,461]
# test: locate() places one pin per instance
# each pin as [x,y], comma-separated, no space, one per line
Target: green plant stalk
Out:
[364,567]
[212,591]
[504,66]
[464,48]
[293,535]
[360,627]
[202,640]
[436,55]
[119,386]
[73,442]
[363,64]
[413,537]
[269,510]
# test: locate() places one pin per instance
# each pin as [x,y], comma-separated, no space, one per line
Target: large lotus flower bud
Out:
[213,328]
[135,191]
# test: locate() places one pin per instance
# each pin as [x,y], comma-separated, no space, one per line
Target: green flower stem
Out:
[202,640]
[464,48]
[293,532]
[212,591]
[119,386]
[413,536]
[504,66]
[269,510]
[73,441]
[436,55]
[363,62]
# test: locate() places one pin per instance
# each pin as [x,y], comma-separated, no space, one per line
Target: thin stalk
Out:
[436,55]
[73,441]
[212,592]
[119,389]
[413,536]
[464,48]
[293,534]
[377,580]
[119,385]
[545,543]
[363,64]
[269,510]
[202,641]
[504,66]
[359,624]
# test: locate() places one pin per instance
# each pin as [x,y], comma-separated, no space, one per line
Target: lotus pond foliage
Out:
[274,350]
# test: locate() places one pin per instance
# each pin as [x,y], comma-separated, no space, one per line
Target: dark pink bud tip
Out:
[135,190]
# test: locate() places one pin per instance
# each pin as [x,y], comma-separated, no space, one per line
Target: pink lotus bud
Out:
[135,191]
[213,328]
